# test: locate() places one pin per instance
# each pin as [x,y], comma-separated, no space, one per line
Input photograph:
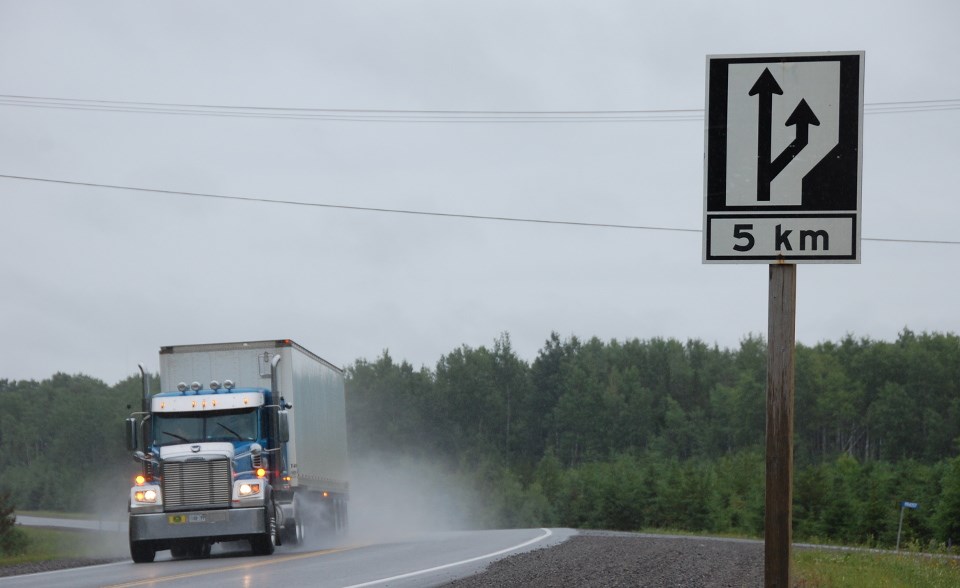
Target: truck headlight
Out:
[249,489]
[146,498]
[249,492]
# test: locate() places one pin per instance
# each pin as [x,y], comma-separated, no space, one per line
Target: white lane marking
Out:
[546,533]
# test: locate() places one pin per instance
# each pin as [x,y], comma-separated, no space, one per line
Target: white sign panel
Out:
[783,152]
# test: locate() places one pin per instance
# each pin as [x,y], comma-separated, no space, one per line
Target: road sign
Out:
[783,158]
[903,506]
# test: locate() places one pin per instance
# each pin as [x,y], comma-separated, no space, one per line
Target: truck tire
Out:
[293,526]
[342,519]
[266,542]
[293,531]
[190,548]
[142,551]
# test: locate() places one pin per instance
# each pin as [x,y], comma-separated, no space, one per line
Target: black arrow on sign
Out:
[766,86]
[802,117]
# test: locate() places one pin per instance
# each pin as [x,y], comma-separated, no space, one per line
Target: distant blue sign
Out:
[913,505]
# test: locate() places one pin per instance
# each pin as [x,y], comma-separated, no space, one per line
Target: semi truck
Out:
[243,442]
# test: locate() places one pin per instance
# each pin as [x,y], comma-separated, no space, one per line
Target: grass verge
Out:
[822,568]
[50,544]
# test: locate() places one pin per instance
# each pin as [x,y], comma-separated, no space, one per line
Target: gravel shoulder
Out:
[51,565]
[600,559]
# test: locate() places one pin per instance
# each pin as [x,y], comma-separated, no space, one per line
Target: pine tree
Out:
[12,539]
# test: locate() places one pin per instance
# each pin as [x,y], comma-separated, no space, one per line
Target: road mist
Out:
[108,502]
[393,498]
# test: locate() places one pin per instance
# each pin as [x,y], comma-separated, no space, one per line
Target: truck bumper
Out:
[210,524]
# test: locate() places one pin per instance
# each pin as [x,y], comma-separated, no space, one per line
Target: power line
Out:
[349,207]
[428,116]
[347,114]
[412,212]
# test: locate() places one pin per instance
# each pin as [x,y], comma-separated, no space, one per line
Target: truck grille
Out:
[196,484]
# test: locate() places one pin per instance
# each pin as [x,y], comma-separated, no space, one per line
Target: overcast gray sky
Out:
[95,279]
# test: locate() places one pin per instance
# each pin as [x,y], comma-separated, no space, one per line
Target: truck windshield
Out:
[186,427]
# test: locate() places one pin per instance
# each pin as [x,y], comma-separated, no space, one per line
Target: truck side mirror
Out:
[283,426]
[130,430]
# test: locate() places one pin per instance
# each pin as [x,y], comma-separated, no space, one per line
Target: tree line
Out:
[585,401]
[670,434]
[593,434]
[61,442]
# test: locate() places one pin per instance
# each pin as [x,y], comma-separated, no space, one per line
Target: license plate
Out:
[182,518]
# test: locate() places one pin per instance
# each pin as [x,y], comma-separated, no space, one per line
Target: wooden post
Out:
[781,345]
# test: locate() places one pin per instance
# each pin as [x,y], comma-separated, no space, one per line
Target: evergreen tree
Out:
[12,539]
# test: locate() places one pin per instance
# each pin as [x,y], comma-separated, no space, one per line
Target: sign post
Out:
[782,182]
[903,506]
[778,503]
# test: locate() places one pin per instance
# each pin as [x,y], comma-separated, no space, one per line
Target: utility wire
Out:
[434,116]
[412,212]
[348,207]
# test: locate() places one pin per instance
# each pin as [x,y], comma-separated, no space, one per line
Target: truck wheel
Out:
[192,548]
[293,526]
[142,551]
[342,521]
[295,533]
[266,543]
[291,533]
